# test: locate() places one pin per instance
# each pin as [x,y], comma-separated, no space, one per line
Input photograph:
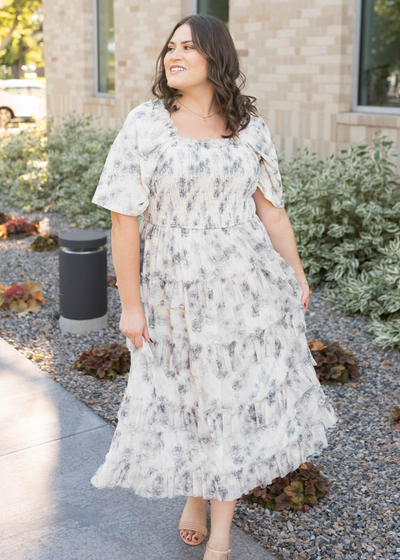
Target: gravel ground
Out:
[358,519]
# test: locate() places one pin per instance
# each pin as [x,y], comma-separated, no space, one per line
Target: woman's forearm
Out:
[125,243]
[283,239]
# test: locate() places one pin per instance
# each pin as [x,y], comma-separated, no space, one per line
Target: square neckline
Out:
[175,130]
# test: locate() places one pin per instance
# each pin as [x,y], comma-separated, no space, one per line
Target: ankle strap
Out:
[218,551]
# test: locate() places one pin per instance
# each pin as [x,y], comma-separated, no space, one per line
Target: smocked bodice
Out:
[183,182]
[203,184]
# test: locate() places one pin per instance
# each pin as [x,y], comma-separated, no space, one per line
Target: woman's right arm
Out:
[125,245]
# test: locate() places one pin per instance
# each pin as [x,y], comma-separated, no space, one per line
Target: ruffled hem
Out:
[212,484]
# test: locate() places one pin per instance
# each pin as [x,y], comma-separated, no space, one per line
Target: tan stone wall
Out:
[297,56]
[141,29]
[69,56]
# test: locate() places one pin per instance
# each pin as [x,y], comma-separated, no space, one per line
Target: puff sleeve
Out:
[269,182]
[120,187]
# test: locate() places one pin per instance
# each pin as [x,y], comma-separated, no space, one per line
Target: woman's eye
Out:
[186,46]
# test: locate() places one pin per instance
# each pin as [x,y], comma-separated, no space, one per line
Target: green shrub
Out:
[57,168]
[345,212]
[23,167]
[77,151]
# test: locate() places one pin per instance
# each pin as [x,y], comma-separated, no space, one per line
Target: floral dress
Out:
[226,398]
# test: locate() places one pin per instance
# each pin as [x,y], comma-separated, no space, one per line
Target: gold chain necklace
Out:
[204,118]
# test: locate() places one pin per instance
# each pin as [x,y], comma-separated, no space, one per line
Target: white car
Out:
[21,100]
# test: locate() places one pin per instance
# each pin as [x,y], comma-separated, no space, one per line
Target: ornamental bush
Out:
[23,167]
[76,152]
[345,212]
[57,168]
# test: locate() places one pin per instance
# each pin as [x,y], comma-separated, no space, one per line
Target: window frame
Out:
[98,93]
[355,79]
[195,8]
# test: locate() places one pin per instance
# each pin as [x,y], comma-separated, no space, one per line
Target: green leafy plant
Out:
[107,362]
[45,242]
[23,167]
[22,298]
[300,489]
[18,228]
[345,211]
[76,151]
[56,167]
[334,363]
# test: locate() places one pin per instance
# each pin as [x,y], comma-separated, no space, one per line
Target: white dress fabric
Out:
[226,398]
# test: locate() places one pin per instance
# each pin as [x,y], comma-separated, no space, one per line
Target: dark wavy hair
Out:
[213,40]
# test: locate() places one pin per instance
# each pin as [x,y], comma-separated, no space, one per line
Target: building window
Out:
[105,46]
[217,8]
[379,74]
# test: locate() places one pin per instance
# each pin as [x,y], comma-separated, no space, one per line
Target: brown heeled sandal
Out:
[195,527]
[219,551]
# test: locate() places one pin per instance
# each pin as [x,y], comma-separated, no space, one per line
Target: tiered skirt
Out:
[226,398]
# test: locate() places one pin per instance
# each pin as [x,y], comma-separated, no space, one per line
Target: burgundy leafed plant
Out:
[4,218]
[22,298]
[334,363]
[300,489]
[111,281]
[45,242]
[107,362]
[18,228]
[396,417]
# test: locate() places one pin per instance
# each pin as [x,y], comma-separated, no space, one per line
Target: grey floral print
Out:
[226,398]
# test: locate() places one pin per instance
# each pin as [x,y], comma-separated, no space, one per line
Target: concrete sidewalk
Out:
[50,446]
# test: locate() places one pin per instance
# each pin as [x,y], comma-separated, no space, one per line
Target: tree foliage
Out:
[21,33]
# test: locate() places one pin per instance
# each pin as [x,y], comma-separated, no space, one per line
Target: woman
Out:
[222,395]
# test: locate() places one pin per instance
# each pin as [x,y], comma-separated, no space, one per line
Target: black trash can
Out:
[83,280]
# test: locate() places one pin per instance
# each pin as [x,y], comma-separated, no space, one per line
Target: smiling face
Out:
[185,66]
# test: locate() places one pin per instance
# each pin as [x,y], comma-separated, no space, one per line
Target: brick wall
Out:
[298,57]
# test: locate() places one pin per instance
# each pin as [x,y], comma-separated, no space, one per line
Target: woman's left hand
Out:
[305,298]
